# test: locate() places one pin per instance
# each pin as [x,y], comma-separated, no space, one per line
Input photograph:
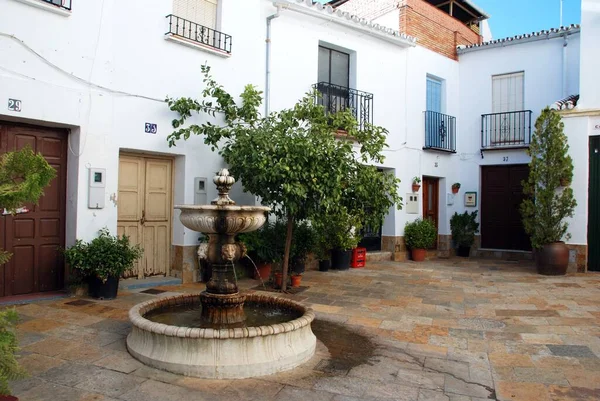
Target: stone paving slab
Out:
[444,330]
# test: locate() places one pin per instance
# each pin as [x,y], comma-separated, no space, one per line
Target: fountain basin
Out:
[215,219]
[222,353]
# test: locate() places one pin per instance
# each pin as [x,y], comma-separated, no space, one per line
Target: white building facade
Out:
[86,88]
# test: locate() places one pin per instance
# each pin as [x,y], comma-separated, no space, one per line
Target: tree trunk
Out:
[286,254]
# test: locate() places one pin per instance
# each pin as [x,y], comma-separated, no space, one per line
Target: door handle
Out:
[143,219]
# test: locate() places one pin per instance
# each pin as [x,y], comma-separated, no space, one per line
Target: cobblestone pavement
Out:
[447,330]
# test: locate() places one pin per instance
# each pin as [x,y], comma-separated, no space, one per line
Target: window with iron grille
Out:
[197,21]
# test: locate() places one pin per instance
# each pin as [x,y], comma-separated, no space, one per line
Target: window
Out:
[203,12]
[434,94]
[507,92]
[334,67]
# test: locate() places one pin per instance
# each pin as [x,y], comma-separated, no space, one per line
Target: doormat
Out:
[290,290]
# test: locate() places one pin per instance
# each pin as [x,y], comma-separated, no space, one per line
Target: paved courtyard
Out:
[447,330]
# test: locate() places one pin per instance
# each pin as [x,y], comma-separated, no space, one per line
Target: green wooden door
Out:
[594,206]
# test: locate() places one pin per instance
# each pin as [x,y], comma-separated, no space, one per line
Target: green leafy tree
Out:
[23,177]
[547,204]
[290,158]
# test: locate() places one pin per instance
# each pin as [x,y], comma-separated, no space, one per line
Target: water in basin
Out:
[190,315]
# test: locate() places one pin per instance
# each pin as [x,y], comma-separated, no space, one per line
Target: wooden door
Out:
[34,237]
[501,197]
[594,205]
[431,197]
[144,211]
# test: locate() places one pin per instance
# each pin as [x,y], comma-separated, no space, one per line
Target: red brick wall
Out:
[435,29]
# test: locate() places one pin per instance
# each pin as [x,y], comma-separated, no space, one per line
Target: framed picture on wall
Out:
[471,199]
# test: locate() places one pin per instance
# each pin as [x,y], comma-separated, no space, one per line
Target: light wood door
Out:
[144,211]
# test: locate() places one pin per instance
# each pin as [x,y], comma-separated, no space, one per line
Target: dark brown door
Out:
[501,197]
[431,197]
[34,237]
[594,205]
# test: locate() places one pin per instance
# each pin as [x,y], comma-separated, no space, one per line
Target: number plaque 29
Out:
[14,105]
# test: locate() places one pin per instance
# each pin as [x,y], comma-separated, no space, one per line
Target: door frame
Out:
[171,159]
[436,203]
[64,133]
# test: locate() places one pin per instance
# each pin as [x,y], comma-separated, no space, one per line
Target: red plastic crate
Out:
[359,257]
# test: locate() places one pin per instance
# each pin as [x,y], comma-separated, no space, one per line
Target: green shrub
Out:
[337,230]
[464,227]
[420,234]
[265,245]
[9,368]
[105,256]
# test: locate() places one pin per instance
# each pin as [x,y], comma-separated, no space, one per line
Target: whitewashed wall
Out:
[590,57]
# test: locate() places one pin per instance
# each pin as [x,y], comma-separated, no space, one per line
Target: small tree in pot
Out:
[419,236]
[265,247]
[547,204]
[464,227]
[102,262]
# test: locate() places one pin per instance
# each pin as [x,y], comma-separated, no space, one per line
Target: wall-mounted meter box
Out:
[412,203]
[97,188]
[200,196]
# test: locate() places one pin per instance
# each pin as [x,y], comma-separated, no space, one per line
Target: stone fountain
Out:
[221,333]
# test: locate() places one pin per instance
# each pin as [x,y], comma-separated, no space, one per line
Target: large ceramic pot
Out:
[103,290]
[263,271]
[8,398]
[553,259]
[418,255]
[463,251]
[324,265]
[340,259]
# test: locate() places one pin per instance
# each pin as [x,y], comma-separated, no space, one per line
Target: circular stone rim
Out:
[136,316]
[223,207]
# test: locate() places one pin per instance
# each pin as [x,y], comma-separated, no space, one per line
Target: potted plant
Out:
[265,247]
[464,227]
[102,261]
[304,242]
[546,204]
[416,184]
[9,368]
[455,187]
[340,231]
[419,236]
[296,279]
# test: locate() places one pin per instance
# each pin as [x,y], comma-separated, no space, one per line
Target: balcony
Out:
[65,4]
[506,130]
[440,132]
[336,98]
[199,34]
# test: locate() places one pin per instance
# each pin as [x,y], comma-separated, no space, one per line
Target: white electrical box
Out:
[412,203]
[200,196]
[97,187]
[449,199]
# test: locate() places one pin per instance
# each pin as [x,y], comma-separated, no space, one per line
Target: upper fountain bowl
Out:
[229,219]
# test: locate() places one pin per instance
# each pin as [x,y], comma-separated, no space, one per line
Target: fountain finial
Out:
[224,182]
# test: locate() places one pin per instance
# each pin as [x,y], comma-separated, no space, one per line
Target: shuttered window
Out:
[203,12]
[508,92]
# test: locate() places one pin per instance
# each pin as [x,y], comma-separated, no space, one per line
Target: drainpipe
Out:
[268,62]
[564,66]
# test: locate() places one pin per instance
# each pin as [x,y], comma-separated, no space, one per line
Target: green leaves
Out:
[464,227]
[9,368]
[103,257]
[547,205]
[420,234]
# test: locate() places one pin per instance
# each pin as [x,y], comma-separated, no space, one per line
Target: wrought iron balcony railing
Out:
[510,129]
[198,33]
[66,4]
[337,98]
[440,132]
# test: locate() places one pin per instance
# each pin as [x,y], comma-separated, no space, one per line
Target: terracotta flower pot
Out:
[552,259]
[278,278]
[8,398]
[564,182]
[296,280]
[418,255]
[455,190]
[416,187]
[263,271]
